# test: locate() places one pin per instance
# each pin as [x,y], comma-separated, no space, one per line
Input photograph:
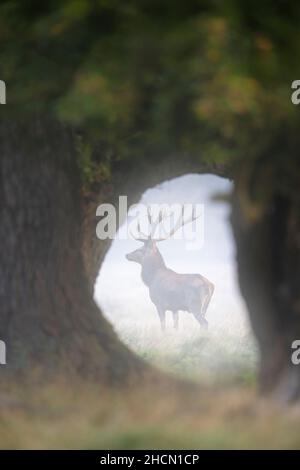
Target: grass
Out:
[155,415]
[207,357]
[216,406]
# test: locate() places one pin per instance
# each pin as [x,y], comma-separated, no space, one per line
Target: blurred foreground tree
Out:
[110,97]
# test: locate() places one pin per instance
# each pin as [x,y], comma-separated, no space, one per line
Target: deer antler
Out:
[180,223]
[143,237]
[162,216]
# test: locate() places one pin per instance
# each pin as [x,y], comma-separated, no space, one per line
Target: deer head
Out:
[149,250]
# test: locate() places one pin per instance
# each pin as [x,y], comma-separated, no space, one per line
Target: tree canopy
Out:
[148,78]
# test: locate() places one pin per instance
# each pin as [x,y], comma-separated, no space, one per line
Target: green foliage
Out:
[92,170]
[146,77]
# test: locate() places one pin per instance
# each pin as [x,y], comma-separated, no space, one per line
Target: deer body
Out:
[170,290]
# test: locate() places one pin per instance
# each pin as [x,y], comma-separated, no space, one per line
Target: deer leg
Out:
[203,322]
[175,319]
[197,306]
[200,318]
[205,304]
[207,300]
[162,317]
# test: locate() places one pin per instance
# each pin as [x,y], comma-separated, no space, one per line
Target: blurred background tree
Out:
[107,96]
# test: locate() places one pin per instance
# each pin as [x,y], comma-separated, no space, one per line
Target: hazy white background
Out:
[227,346]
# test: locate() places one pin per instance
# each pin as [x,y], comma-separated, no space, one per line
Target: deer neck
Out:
[151,266]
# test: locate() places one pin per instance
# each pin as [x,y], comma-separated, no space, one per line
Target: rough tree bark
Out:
[50,256]
[47,316]
[266,222]
[48,263]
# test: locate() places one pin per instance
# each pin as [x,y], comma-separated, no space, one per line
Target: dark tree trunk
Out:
[47,316]
[47,266]
[268,254]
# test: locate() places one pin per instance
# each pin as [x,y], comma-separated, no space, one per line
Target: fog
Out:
[227,347]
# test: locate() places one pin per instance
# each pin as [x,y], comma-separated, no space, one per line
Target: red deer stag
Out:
[170,290]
